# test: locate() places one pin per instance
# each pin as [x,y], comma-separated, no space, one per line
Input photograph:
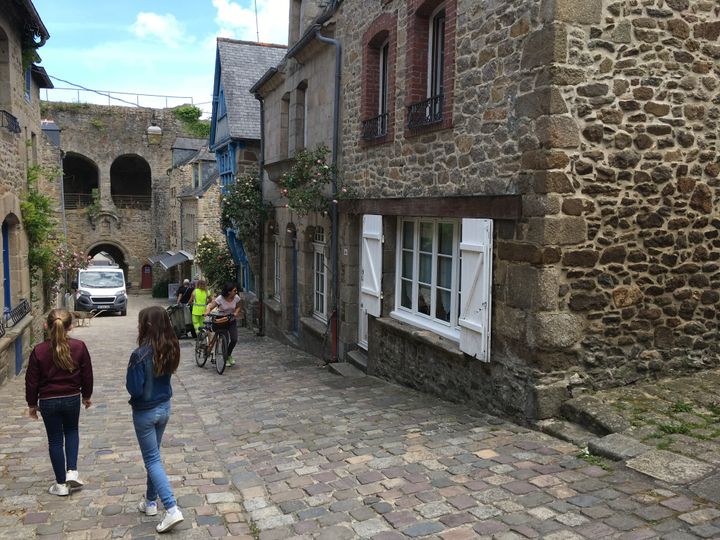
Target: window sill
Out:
[420,322]
[426,337]
[273,305]
[314,326]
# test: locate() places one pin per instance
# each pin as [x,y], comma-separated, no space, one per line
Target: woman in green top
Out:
[198,299]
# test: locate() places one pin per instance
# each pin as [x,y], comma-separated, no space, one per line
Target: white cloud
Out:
[165,28]
[239,22]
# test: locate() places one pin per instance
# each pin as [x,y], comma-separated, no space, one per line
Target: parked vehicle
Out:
[101,288]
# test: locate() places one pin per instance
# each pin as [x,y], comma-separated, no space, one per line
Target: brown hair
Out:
[59,323]
[156,330]
[201,284]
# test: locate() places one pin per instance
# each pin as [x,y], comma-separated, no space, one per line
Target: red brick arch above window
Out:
[418,34]
[383,30]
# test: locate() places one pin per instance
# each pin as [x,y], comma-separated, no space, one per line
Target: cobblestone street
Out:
[280,448]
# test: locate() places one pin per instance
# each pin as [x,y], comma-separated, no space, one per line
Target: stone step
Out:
[358,358]
[345,369]
[593,415]
[567,431]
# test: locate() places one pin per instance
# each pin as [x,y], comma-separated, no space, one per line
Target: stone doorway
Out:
[113,252]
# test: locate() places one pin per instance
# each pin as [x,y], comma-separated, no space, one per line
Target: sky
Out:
[164,47]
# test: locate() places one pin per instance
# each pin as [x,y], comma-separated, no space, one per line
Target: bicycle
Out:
[212,341]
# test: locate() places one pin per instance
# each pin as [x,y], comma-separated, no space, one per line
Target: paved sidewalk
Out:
[280,448]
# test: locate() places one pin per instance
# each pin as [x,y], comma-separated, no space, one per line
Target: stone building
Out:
[115,184]
[194,200]
[235,126]
[538,186]
[297,95]
[22,32]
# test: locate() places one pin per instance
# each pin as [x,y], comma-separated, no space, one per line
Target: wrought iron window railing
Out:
[374,128]
[2,328]
[9,122]
[426,112]
[17,313]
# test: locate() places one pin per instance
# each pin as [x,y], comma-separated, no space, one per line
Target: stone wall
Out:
[101,134]
[635,145]
[602,116]
[312,73]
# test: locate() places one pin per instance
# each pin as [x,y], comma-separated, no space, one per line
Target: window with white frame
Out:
[276,268]
[428,273]
[319,276]
[436,53]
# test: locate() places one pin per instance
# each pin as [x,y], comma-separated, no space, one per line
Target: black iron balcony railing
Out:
[17,313]
[425,113]
[374,128]
[2,328]
[9,122]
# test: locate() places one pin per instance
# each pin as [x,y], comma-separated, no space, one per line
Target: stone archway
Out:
[114,251]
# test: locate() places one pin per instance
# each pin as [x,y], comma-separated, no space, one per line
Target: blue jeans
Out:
[149,428]
[61,416]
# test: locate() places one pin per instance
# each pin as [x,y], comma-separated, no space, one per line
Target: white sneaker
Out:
[149,508]
[61,490]
[172,518]
[72,480]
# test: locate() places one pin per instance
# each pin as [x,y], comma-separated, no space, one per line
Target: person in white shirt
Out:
[228,303]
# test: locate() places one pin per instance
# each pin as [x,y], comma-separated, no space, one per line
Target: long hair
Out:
[59,323]
[201,284]
[156,331]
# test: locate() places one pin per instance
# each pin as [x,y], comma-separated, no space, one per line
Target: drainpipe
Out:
[333,209]
[261,226]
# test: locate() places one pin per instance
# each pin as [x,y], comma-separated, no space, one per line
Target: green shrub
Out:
[160,289]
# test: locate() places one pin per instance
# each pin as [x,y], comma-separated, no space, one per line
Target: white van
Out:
[101,288]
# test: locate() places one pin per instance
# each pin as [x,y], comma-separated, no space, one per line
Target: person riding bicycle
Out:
[228,303]
[199,301]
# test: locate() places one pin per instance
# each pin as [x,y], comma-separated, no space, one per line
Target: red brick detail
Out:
[383,29]
[419,12]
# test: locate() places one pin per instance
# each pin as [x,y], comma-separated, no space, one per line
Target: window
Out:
[379,80]
[285,126]
[300,130]
[276,268]
[436,54]
[430,59]
[196,175]
[319,276]
[428,274]
[28,84]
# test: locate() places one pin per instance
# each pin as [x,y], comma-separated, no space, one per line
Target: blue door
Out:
[6,266]
[18,355]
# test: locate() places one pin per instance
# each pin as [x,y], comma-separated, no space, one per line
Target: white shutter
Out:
[371,264]
[476,287]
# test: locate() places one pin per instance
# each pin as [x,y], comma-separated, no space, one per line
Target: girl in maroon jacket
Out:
[59,372]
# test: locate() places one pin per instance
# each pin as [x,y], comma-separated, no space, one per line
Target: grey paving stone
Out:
[423,528]
[670,467]
[708,488]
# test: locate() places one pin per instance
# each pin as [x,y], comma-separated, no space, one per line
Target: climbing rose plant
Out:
[305,184]
[243,210]
[215,261]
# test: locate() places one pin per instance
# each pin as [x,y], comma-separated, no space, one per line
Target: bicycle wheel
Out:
[221,345]
[201,347]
